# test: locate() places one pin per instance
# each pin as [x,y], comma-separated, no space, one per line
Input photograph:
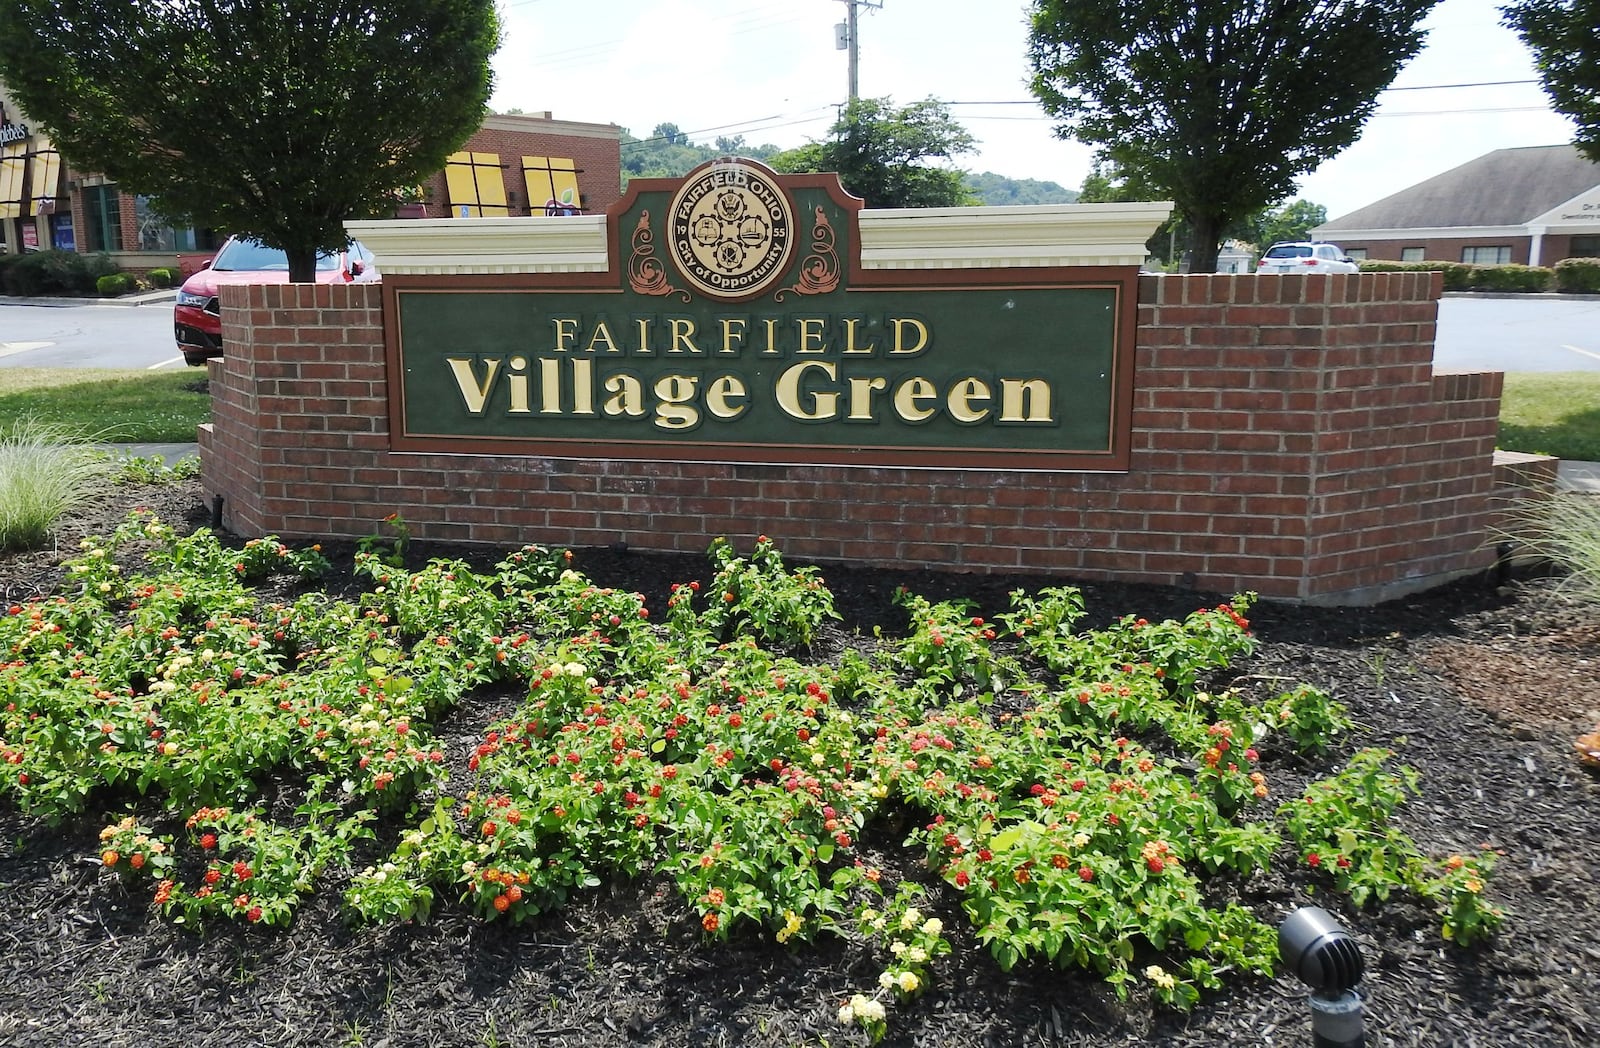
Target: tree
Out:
[670,154]
[279,119]
[1291,222]
[999,190]
[880,151]
[1219,104]
[1566,46]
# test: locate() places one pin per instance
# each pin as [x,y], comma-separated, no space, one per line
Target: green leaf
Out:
[1006,840]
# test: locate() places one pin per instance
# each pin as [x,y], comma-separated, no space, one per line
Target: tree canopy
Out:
[274,118]
[668,153]
[881,151]
[1218,104]
[1564,36]
[1000,190]
[1107,183]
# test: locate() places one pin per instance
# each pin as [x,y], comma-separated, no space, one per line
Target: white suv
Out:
[1306,257]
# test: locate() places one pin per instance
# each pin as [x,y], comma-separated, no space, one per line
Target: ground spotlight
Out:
[1326,958]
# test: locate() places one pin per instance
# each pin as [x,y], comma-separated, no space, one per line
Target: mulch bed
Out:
[1480,687]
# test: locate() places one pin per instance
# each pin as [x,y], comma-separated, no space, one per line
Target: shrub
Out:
[1510,277]
[1578,275]
[44,473]
[98,265]
[114,284]
[55,273]
[161,277]
[1459,276]
[1455,273]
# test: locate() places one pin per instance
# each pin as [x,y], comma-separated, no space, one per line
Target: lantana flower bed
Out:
[1081,797]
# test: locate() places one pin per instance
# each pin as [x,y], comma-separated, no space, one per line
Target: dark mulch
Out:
[1480,687]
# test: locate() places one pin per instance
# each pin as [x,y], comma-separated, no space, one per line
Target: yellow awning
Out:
[13,165]
[475,185]
[46,176]
[551,181]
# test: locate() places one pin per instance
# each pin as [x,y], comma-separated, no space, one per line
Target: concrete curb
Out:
[148,298]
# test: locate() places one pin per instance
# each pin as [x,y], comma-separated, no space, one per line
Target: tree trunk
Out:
[302,265]
[1205,234]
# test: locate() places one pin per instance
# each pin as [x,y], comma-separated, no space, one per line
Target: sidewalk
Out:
[164,295]
[1570,476]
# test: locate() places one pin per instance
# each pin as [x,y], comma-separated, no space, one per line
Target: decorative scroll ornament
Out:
[819,270]
[646,274]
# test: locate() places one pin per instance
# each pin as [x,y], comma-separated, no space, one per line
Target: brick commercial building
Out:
[1535,206]
[515,164]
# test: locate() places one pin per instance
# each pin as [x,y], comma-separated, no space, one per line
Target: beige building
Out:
[1535,205]
[31,213]
[515,164]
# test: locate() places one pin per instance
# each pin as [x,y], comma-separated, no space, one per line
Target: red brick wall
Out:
[1290,437]
[598,159]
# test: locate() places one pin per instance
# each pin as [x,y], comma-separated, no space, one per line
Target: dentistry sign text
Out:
[736,324]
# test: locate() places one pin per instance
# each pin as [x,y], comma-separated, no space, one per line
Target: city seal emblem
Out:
[731,229]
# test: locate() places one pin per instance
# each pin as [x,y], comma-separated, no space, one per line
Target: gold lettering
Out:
[682,335]
[850,338]
[908,398]
[603,334]
[729,335]
[518,381]
[961,398]
[644,349]
[771,325]
[822,406]
[549,386]
[900,347]
[811,335]
[720,392]
[861,390]
[627,396]
[473,395]
[583,386]
[1034,392]
[673,394]
[566,331]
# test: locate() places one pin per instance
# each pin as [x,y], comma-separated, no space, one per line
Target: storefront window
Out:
[155,234]
[61,232]
[477,189]
[1584,247]
[102,213]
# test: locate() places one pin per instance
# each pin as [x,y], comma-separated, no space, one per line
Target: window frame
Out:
[1502,254]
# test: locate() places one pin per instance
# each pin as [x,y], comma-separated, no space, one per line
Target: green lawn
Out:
[1552,413]
[141,407]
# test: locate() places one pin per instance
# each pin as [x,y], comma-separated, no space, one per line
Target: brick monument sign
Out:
[980,389]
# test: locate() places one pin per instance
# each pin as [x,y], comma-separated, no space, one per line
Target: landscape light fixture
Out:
[1326,958]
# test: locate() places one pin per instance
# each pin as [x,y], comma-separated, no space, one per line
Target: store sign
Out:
[736,324]
[12,133]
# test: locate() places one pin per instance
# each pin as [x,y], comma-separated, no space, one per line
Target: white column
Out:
[1537,246]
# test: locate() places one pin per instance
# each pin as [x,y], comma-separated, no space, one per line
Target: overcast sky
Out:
[769,70]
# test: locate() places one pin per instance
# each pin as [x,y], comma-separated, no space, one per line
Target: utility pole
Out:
[844,36]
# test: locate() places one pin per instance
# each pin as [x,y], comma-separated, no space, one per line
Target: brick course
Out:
[1289,437]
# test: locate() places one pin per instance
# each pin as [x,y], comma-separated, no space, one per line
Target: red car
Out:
[197,318]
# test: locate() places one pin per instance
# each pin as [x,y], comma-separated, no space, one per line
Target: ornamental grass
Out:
[1565,530]
[44,473]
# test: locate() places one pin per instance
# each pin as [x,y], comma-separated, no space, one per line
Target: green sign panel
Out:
[736,325]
